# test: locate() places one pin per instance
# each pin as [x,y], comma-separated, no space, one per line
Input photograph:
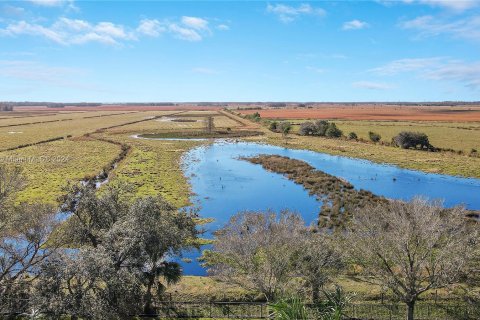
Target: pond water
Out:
[224,185]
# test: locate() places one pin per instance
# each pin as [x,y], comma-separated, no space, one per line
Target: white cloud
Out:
[68,4]
[67,31]
[12,10]
[48,3]
[406,65]
[466,73]
[355,25]
[437,68]
[195,23]
[34,71]
[455,5]
[184,33]
[223,27]
[467,28]
[289,13]
[72,24]
[371,85]
[25,28]
[150,27]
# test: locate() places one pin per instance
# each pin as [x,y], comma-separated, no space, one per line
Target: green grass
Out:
[431,162]
[153,167]
[457,136]
[49,167]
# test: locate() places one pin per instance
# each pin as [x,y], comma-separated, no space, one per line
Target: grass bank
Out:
[429,162]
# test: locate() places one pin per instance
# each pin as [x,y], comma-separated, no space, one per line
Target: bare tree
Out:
[318,261]
[23,250]
[256,250]
[410,247]
[270,253]
[11,181]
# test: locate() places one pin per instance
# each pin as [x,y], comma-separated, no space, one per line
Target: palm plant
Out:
[289,309]
[335,305]
[332,308]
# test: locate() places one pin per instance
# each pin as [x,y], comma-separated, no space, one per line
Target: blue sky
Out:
[114,51]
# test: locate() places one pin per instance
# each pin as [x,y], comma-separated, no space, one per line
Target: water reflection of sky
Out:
[223,185]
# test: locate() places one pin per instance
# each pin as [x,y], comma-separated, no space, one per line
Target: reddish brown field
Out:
[455,114]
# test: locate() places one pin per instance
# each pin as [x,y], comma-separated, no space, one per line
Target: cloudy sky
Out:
[111,51]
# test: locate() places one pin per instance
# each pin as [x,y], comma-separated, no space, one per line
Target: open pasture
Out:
[370,112]
[121,107]
[447,135]
[11,137]
[49,167]
[152,167]
[52,117]
[179,121]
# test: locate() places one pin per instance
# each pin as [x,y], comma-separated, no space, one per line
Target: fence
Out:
[260,310]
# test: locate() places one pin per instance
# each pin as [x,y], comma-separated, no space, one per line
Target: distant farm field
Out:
[89,140]
[367,112]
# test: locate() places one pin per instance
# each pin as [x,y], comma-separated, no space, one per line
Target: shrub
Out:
[332,131]
[284,127]
[321,127]
[407,140]
[273,126]
[375,137]
[307,129]
[255,116]
[352,136]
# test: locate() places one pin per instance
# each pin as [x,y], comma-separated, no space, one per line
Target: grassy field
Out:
[153,167]
[458,136]
[49,167]
[449,135]
[432,162]
[29,133]
[198,288]
[446,135]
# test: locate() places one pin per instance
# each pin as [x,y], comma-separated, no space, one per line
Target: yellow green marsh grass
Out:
[49,167]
